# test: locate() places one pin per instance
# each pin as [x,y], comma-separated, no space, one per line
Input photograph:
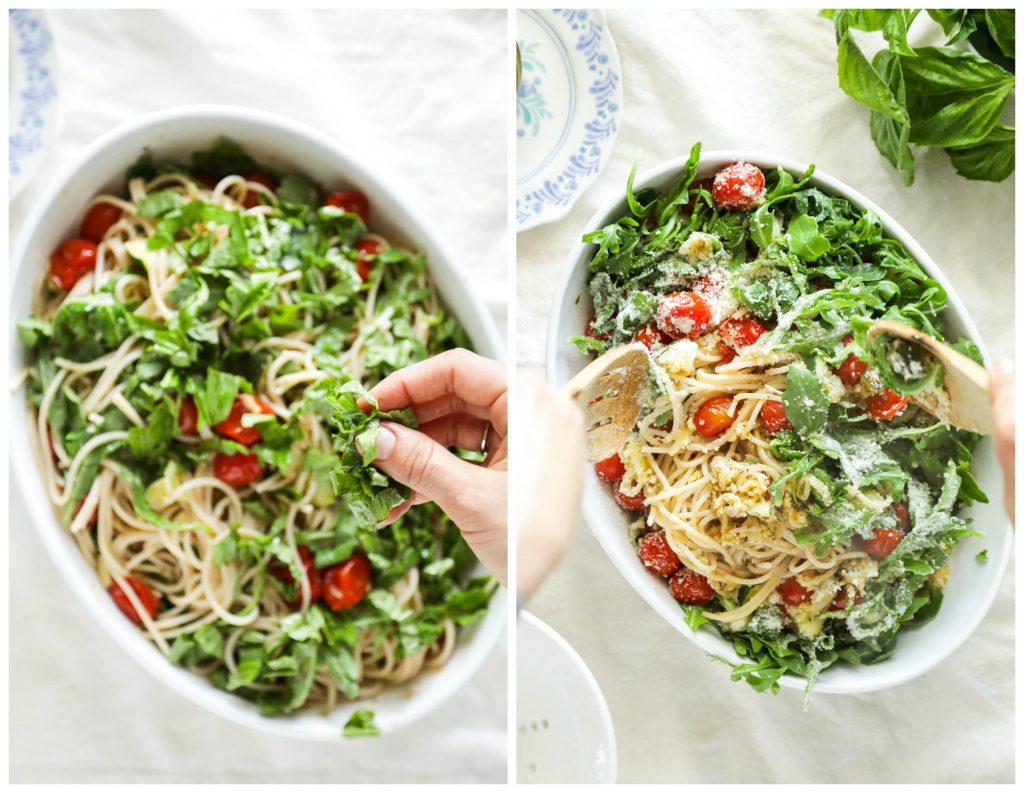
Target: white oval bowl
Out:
[972,586]
[282,144]
[566,735]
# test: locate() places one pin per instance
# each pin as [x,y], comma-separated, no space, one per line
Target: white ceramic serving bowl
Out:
[564,730]
[281,144]
[972,585]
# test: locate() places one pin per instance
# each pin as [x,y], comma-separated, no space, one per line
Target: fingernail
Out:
[385,442]
[1003,370]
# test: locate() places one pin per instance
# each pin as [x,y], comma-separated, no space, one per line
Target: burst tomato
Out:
[366,251]
[657,555]
[255,197]
[885,405]
[691,588]
[773,416]
[793,593]
[635,503]
[611,468]
[347,583]
[683,315]
[352,202]
[738,186]
[882,544]
[72,259]
[713,418]
[98,220]
[188,417]
[237,470]
[739,332]
[232,427]
[149,599]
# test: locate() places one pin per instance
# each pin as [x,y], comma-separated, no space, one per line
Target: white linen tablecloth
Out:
[766,81]
[408,89]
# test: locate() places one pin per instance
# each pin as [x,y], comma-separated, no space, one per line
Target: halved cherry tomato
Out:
[683,315]
[852,369]
[691,587]
[347,583]
[712,417]
[256,197]
[73,259]
[773,415]
[739,332]
[635,503]
[232,427]
[353,202]
[794,593]
[657,554]
[365,250]
[738,186]
[188,417]
[902,515]
[150,600]
[237,470]
[98,220]
[650,337]
[315,577]
[882,544]
[728,354]
[885,405]
[611,468]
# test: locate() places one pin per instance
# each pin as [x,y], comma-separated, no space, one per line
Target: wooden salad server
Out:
[611,392]
[962,400]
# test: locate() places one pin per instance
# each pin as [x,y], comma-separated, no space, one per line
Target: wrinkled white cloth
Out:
[409,89]
[766,81]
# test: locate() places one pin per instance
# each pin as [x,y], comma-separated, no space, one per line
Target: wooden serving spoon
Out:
[611,392]
[962,398]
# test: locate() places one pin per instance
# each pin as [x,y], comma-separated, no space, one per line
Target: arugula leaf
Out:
[805,401]
[804,239]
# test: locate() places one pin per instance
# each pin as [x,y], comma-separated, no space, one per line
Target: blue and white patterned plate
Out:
[567,111]
[33,117]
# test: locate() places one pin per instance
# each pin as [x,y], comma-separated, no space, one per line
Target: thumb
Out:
[413,459]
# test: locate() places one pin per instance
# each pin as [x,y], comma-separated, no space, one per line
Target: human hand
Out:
[460,399]
[1001,394]
[550,457]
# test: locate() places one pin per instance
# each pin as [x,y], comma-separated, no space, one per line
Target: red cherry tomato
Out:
[683,315]
[773,416]
[635,503]
[188,417]
[237,470]
[885,405]
[353,202]
[794,593]
[902,516]
[738,332]
[98,220]
[839,601]
[882,544]
[690,587]
[611,468]
[711,284]
[728,354]
[657,555]
[232,427]
[712,417]
[315,577]
[738,186]
[73,259]
[365,250]
[346,584]
[149,599]
[852,369]
[650,337]
[256,197]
